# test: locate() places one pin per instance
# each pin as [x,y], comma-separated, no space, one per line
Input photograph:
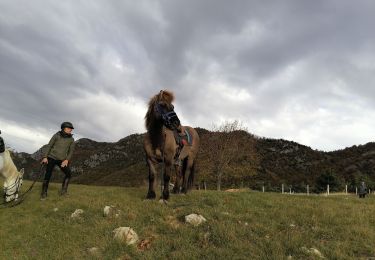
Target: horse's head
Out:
[164,100]
[161,110]
[13,186]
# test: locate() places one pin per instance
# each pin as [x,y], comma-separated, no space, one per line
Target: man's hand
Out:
[45,160]
[64,163]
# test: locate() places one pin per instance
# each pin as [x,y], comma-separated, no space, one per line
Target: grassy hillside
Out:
[243,225]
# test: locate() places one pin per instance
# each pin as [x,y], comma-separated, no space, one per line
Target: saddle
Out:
[183,138]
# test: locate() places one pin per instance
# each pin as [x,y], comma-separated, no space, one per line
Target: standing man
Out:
[59,152]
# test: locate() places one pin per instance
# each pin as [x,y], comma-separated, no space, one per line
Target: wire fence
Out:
[290,189]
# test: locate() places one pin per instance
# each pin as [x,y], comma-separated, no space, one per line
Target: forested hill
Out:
[256,162]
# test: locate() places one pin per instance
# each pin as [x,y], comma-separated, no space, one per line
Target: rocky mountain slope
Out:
[258,162]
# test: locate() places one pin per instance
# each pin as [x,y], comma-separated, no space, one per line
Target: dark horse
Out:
[161,146]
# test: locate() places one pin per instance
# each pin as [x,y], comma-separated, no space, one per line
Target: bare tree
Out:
[224,146]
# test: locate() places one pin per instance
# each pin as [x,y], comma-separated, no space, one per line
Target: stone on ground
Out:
[195,219]
[94,251]
[111,211]
[125,235]
[77,213]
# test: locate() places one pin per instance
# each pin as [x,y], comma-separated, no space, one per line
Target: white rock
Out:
[195,219]
[110,211]
[94,251]
[125,235]
[77,213]
[55,209]
[313,251]
[316,252]
[107,210]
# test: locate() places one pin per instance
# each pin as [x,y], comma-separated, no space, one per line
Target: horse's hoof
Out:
[151,195]
[165,196]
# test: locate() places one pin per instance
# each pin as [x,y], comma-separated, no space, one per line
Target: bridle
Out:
[169,118]
[17,184]
[18,200]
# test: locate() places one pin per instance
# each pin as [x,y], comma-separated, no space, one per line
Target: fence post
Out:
[308,191]
[328,189]
[263,188]
[369,191]
[204,184]
[346,189]
[290,190]
[356,191]
[282,188]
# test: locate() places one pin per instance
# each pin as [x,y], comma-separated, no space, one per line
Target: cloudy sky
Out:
[300,70]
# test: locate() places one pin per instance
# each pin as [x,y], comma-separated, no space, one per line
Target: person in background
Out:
[362,190]
[59,152]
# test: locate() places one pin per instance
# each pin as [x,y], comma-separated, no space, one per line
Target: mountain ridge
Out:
[259,162]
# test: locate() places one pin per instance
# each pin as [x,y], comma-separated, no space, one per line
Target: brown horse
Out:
[161,147]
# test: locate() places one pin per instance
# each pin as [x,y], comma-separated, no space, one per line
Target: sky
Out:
[300,70]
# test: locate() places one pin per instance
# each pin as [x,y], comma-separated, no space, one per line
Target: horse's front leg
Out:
[167,177]
[151,179]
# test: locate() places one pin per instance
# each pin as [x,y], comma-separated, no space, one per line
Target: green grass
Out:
[244,225]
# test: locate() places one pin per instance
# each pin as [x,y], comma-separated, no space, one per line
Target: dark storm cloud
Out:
[290,69]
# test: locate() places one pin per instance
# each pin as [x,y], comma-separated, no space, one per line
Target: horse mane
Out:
[153,124]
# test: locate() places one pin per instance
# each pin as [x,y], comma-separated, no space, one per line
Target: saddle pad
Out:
[186,139]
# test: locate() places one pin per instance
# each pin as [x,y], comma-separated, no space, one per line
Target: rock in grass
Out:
[316,252]
[94,251]
[77,213]
[313,251]
[195,219]
[111,211]
[107,210]
[55,209]
[125,235]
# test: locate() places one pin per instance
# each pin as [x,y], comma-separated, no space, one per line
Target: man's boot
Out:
[43,196]
[64,187]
